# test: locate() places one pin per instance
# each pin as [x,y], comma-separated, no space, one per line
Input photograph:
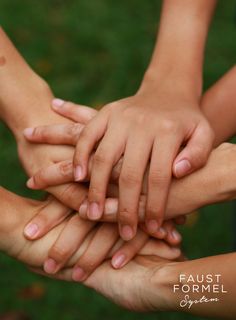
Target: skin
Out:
[218,99]
[213,183]
[16,211]
[170,115]
[217,176]
[22,90]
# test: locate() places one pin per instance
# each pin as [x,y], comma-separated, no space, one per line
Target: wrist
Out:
[162,284]
[172,80]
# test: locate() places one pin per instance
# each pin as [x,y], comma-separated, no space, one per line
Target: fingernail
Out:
[78,173]
[94,211]
[30,183]
[152,226]
[50,266]
[127,233]
[31,230]
[83,208]
[162,232]
[175,234]
[118,261]
[78,274]
[57,103]
[28,132]
[182,168]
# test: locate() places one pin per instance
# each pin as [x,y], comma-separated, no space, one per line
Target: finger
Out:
[67,134]
[160,172]
[65,274]
[89,136]
[180,220]
[158,234]
[196,152]
[75,112]
[96,252]
[110,213]
[129,250]
[173,237]
[160,249]
[106,155]
[56,174]
[130,184]
[42,223]
[68,242]
[71,194]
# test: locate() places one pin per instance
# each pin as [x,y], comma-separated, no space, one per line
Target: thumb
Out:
[195,154]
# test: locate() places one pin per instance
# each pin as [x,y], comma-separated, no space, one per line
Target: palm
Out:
[130,286]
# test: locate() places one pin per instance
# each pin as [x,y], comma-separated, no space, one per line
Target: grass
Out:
[93,52]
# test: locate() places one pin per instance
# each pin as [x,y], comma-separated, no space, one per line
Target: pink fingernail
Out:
[94,211]
[78,274]
[118,261]
[182,168]
[57,103]
[83,208]
[152,226]
[31,230]
[28,132]
[30,183]
[50,266]
[162,232]
[176,235]
[78,173]
[127,233]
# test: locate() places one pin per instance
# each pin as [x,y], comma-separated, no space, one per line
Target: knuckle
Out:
[74,130]
[65,168]
[59,253]
[158,177]
[71,196]
[100,158]
[168,126]
[154,211]
[39,133]
[126,216]
[95,192]
[130,178]
[40,178]
[88,264]
[84,135]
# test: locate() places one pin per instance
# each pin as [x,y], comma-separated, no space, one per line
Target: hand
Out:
[149,123]
[62,172]
[185,195]
[139,286]
[34,157]
[34,253]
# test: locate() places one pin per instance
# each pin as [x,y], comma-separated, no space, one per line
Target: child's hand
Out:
[146,126]
[56,174]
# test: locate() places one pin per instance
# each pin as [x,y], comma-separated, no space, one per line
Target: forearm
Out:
[218,274]
[25,98]
[219,106]
[180,44]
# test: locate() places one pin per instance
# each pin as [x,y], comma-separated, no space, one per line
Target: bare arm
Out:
[179,50]
[219,106]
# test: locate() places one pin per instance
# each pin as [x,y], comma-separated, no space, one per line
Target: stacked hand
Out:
[69,192]
[34,253]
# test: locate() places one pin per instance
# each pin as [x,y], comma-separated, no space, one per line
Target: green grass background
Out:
[93,52]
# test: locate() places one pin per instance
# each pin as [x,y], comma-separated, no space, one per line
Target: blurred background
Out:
[93,52]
